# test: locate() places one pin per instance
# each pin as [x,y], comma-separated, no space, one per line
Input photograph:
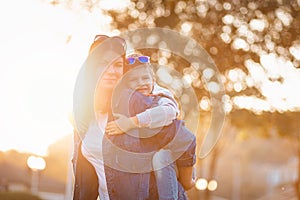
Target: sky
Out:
[42,49]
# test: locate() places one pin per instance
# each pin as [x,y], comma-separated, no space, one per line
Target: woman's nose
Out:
[111,69]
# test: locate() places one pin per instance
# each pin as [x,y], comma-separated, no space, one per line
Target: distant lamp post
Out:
[36,164]
[212,185]
[201,184]
[205,186]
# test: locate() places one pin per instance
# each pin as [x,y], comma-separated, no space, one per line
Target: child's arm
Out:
[163,114]
[159,116]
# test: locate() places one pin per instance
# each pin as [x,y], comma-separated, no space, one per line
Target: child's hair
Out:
[147,67]
[128,67]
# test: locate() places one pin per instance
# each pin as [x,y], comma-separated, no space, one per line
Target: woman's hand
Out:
[121,125]
[186,177]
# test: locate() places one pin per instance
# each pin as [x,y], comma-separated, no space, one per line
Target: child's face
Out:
[140,79]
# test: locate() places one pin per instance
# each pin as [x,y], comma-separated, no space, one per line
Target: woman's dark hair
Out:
[86,83]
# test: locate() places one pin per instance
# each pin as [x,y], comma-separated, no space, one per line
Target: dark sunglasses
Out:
[141,59]
[101,38]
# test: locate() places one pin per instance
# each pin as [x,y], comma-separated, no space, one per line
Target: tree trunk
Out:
[298,180]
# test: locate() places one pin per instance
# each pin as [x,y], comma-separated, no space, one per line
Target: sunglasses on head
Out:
[101,38]
[141,59]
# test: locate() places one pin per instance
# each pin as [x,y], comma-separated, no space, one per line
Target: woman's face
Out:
[106,85]
[112,74]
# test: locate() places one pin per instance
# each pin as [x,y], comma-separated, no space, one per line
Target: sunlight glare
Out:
[295,51]
[270,64]
[36,163]
[213,87]
[256,71]
[227,104]
[236,74]
[240,43]
[208,73]
[277,79]
[284,16]
[257,25]
[201,184]
[205,103]
[227,6]
[186,27]
[228,19]
[226,38]
[212,185]
[251,103]
[39,69]
[187,80]
[238,87]
[113,5]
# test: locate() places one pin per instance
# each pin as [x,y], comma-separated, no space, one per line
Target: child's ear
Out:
[154,79]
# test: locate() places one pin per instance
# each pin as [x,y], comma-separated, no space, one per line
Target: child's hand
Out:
[113,129]
[121,125]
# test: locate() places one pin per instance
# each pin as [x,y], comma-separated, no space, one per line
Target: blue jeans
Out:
[165,174]
[132,173]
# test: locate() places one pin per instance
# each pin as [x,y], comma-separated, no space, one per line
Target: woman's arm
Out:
[185,177]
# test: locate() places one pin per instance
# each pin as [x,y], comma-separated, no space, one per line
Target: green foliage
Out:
[18,196]
[264,27]
[207,20]
[266,124]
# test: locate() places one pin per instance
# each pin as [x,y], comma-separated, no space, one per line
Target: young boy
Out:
[137,93]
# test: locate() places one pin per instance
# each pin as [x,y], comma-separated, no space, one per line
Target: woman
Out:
[105,60]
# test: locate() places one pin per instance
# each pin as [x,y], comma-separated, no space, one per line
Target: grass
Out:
[18,196]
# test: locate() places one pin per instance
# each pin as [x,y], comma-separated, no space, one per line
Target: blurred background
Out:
[255,46]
